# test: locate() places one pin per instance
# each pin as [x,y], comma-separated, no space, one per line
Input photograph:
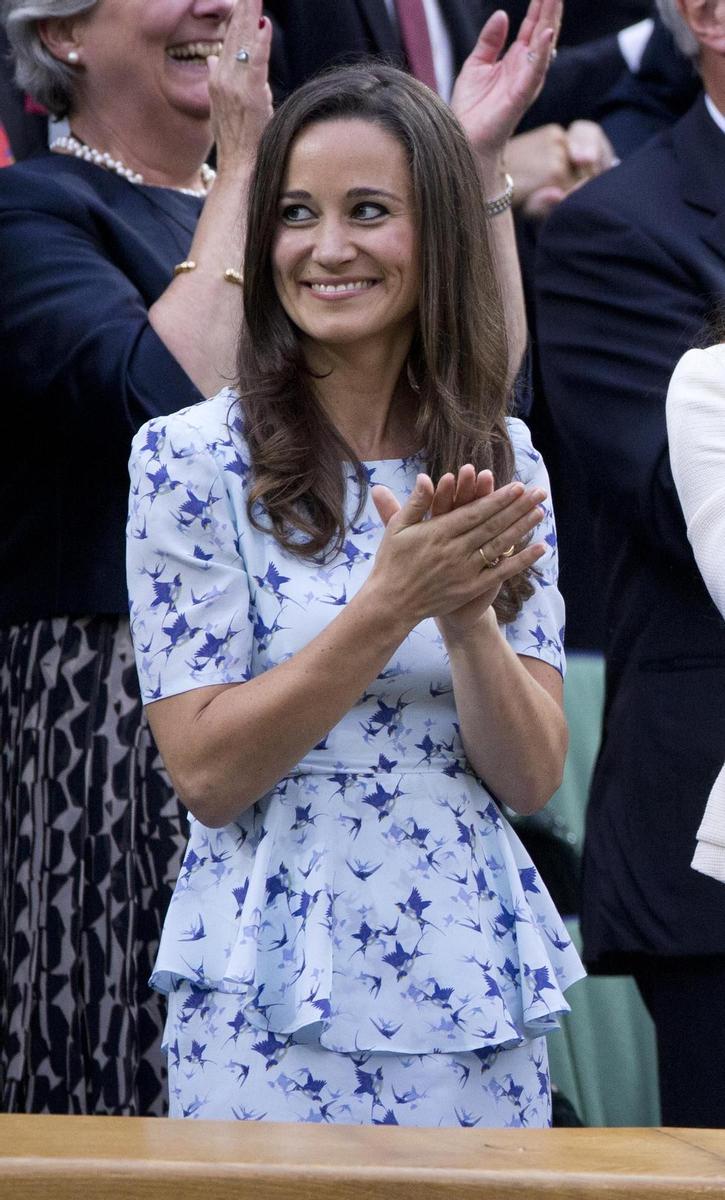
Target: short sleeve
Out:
[538,630]
[187,581]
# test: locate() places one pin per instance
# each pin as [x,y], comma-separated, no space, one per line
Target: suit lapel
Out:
[700,149]
[383,32]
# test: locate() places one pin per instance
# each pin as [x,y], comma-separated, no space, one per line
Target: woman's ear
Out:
[60,36]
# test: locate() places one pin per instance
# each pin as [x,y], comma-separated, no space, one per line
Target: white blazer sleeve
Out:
[696,430]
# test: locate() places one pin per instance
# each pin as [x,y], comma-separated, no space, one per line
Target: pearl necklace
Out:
[71,145]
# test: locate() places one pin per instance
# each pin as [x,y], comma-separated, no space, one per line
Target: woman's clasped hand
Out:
[452,565]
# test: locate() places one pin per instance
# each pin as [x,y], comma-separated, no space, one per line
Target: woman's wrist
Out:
[460,639]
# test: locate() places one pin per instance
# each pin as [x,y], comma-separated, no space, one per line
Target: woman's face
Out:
[141,54]
[345,255]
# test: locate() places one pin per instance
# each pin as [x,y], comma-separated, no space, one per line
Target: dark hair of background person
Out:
[713,333]
[458,360]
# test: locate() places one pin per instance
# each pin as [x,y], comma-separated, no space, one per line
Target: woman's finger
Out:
[498,545]
[465,485]
[444,495]
[508,568]
[494,515]
[243,28]
[412,512]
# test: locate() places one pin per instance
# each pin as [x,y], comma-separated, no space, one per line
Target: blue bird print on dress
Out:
[369,1084]
[161,483]
[386,716]
[272,1050]
[213,649]
[195,932]
[338,601]
[367,937]
[386,1028]
[166,591]
[178,634]
[440,996]
[402,960]
[201,556]
[351,556]
[559,943]
[240,895]
[541,979]
[237,1024]
[196,1055]
[278,885]
[414,907]
[237,466]
[192,862]
[241,1070]
[195,508]
[303,818]
[383,802]
[263,634]
[388,1118]
[355,825]
[363,870]
[528,877]
[272,583]
[466,1120]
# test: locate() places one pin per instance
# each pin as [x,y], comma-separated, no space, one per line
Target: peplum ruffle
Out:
[396,912]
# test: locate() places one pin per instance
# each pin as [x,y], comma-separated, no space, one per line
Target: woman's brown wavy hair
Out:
[458,360]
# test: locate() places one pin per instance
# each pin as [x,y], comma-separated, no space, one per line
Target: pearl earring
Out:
[73,57]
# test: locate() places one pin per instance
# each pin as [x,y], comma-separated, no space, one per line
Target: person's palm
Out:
[491,94]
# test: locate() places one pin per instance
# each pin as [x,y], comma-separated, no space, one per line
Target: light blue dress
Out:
[375,901]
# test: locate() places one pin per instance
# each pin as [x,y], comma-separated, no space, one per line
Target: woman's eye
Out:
[369,211]
[295,213]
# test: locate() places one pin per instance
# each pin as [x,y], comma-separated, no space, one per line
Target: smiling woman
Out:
[98,335]
[356,934]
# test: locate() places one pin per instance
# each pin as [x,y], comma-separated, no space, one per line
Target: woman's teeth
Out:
[342,287]
[192,51]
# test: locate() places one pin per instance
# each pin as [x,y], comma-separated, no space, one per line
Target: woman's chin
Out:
[188,89]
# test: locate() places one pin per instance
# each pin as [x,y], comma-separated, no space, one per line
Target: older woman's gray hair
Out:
[678,27]
[37,72]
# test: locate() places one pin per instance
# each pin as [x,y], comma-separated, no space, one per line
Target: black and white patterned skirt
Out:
[91,837]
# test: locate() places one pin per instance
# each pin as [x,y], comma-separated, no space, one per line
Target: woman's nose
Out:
[333,243]
[216,10]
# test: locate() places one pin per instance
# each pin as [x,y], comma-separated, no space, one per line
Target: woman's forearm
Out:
[199,314]
[512,725]
[506,258]
[226,746]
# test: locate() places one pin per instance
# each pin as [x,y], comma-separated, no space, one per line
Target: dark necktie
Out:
[416,41]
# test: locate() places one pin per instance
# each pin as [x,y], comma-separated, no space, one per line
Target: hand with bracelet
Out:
[490,96]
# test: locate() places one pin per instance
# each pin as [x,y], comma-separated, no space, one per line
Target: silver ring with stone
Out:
[242,55]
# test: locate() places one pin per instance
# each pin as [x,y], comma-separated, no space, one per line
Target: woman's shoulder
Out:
[213,427]
[46,181]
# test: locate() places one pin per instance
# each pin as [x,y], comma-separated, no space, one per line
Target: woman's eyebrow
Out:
[352,194]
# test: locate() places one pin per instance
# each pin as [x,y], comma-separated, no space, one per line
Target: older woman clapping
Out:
[119,259]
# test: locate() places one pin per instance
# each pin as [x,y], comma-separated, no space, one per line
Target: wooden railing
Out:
[119,1158]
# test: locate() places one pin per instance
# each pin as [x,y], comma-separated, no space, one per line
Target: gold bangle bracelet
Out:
[230,274]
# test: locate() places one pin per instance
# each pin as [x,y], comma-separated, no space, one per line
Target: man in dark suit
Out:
[311,34]
[629,267]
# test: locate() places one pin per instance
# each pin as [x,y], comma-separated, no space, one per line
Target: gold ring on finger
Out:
[488,563]
[508,553]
